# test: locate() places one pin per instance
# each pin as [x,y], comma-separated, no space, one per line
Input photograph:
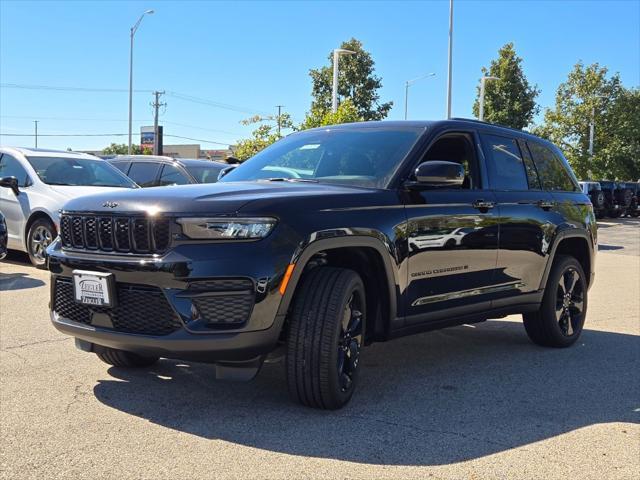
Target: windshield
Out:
[204,174]
[79,172]
[366,157]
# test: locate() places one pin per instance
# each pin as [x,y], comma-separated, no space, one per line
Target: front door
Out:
[452,237]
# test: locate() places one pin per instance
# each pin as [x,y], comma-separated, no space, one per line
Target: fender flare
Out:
[301,258]
[560,236]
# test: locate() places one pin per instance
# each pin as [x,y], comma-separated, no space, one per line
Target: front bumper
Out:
[175,275]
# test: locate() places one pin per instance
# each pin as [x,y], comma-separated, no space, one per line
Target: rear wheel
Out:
[326,333]
[559,321]
[120,358]
[41,234]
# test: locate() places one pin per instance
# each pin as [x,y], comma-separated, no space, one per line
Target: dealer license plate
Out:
[93,288]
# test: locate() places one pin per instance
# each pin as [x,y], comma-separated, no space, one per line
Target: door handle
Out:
[546,205]
[483,205]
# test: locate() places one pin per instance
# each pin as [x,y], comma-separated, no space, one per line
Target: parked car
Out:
[36,183]
[594,191]
[610,191]
[314,261]
[632,208]
[155,171]
[3,237]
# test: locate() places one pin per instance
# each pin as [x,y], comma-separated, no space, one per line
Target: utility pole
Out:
[334,89]
[36,123]
[156,105]
[592,127]
[449,72]
[279,119]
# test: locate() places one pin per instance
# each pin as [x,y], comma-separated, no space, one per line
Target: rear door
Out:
[526,216]
[173,175]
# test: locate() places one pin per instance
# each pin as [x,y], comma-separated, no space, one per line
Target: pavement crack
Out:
[15,347]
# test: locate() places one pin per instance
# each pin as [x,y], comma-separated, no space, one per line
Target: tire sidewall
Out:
[334,382]
[549,302]
[45,222]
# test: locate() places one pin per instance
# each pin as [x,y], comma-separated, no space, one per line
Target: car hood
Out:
[216,198]
[72,191]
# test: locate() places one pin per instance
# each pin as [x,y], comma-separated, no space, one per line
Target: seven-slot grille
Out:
[115,233]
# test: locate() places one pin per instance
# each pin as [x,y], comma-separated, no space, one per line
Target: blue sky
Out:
[251,56]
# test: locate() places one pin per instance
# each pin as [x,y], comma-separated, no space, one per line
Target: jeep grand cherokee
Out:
[316,247]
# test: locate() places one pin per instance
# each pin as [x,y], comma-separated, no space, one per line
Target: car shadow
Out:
[604,247]
[431,399]
[18,281]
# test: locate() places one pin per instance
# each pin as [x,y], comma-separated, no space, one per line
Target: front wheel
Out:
[41,234]
[326,334]
[559,321]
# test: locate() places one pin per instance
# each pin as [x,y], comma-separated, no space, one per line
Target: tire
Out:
[120,358]
[41,234]
[550,326]
[326,333]
[597,199]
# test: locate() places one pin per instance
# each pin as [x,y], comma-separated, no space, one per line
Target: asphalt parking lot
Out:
[467,402]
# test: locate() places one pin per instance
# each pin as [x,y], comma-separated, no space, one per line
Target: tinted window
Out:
[530,168]
[456,148]
[354,156]
[204,174]
[78,172]
[122,166]
[505,164]
[144,173]
[10,167]
[552,171]
[173,176]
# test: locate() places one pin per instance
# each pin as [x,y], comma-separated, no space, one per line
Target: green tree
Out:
[346,113]
[356,80]
[590,95]
[510,100]
[264,135]
[122,149]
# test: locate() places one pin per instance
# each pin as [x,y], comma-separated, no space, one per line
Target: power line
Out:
[105,135]
[213,103]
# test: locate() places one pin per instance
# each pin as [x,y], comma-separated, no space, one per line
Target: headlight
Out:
[227,228]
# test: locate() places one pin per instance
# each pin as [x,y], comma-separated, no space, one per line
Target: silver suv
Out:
[36,183]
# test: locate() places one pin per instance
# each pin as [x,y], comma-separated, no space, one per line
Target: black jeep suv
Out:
[324,242]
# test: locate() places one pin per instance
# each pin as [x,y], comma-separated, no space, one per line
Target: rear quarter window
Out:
[551,169]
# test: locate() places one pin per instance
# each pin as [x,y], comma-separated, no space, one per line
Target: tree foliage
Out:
[510,100]
[122,149]
[356,80]
[346,113]
[590,94]
[264,135]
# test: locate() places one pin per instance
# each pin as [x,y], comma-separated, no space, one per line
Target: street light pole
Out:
[407,84]
[334,91]
[36,124]
[449,71]
[482,82]
[133,32]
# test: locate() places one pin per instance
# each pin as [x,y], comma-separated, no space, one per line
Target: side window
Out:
[456,147]
[552,171]
[530,168]
[10,167]
[172,175]
[504,163]
[122,166]
[144,173]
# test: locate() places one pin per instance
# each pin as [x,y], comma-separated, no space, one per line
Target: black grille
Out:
[140,309]
[230,300]
[224,310]
[115,233]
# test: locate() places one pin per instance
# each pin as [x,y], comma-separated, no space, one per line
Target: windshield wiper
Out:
[282,179]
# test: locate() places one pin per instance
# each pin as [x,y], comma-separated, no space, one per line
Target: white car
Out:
[438,238]
[36,183]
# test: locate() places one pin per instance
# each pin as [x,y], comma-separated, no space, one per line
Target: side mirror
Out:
[438,173]
[10,182]
[226,170]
